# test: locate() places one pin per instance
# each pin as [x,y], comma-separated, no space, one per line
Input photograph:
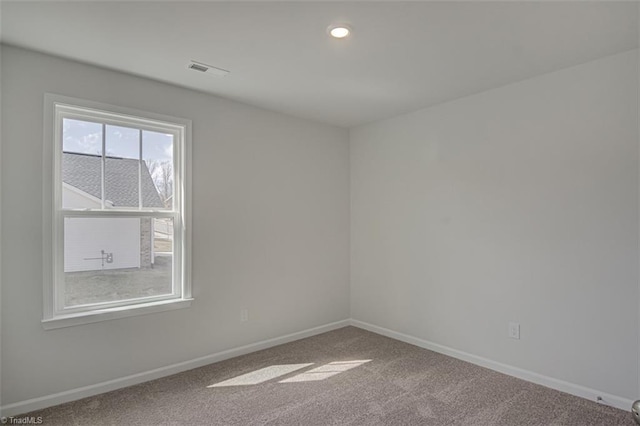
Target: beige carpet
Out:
[344,377]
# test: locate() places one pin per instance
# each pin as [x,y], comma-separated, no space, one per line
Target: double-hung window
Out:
[116,213]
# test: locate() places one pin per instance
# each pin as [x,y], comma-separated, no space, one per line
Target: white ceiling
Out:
[401,56]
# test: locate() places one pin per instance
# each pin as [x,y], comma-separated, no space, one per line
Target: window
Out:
[116,212]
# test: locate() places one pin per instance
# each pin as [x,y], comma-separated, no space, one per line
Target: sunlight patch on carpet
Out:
[325,371]
[261,375]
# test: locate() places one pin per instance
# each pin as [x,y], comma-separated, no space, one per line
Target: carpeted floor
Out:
[345,377]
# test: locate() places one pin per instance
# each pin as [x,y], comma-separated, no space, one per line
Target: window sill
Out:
[99,315]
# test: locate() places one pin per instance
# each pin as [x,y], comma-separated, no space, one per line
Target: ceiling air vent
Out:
[198,66]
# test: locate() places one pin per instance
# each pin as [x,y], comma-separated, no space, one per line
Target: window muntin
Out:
[118,211]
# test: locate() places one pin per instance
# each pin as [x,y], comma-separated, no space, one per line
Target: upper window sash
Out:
[65,111]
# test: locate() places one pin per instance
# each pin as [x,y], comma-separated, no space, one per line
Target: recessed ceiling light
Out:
[339,31]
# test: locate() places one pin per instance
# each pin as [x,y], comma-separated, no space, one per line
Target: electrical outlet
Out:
[244,315]
[514,330]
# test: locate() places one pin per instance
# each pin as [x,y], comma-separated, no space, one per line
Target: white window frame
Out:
[55,314]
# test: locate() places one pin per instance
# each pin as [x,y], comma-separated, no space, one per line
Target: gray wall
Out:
[270,231]
[516,204]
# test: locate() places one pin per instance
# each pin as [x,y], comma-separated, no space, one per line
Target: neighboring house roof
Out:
[83,171]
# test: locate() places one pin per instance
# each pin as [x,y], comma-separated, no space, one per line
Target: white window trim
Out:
[52,254]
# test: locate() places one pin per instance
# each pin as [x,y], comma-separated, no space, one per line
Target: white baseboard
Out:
[550,382]
[134,379]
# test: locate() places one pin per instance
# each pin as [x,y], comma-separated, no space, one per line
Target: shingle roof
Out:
[83,171]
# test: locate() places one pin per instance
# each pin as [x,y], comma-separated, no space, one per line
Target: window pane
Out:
[121,169]
[157,171]
[83,137]
[112,259]
[81,164]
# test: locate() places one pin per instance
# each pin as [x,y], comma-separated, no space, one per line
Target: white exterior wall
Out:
[85,239]
[73,198]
